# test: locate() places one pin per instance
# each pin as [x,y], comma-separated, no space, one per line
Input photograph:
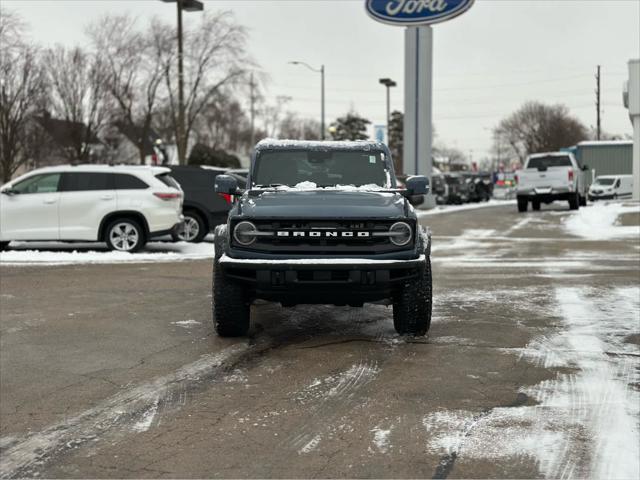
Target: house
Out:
[123,140]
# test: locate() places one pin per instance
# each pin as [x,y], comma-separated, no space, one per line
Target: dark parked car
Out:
[450,188]
[479,186]
[203,209]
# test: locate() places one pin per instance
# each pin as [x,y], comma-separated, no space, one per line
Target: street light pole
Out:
[322,102]
[387,82]
[181,141]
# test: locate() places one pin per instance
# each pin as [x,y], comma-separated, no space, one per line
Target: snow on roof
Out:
[549,154]
[92,167]
[604,143]
[268,143]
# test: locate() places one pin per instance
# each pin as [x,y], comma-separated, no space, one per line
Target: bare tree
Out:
[78,94]
[221,124]
[536,127]
[133,71]
[294,127]
[271,114]
[214,58]
[21,87]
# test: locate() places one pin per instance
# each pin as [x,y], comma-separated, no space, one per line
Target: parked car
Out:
[123,206]
[611,187]
[203,209]
[450,188]
[479,186]
[547,177]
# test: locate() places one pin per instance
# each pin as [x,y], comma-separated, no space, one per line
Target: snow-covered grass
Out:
[58,253]
[599,222]
[467,206]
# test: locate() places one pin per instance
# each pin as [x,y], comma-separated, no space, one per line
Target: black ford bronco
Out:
[322,223]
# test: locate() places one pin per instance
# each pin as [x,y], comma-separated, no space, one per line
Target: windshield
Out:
[324,169]
[605,181]
[550,161]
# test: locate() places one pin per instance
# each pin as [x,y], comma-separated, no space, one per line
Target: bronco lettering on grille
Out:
[325,233]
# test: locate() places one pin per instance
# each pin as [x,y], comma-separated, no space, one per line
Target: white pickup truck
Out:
[552,176]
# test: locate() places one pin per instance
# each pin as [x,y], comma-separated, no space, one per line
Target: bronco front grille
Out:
[318,237]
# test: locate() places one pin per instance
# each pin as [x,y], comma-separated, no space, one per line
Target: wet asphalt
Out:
[114,371]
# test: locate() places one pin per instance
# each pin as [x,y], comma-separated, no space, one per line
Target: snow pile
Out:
[467,206]
[598,222]
[57,253]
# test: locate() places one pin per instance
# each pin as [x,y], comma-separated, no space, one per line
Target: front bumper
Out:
[340,281]
[600,196]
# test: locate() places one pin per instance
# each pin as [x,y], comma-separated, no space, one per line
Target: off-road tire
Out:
[142,240]
[574,203]
[231,305]
[412,306]
[523,203]
[535,205]
[3,246]
[202,228]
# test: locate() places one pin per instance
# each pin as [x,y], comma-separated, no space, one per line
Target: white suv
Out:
[120,205]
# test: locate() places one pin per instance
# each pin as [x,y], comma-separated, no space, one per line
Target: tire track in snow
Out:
[336,394]
[585,424]
[26,455]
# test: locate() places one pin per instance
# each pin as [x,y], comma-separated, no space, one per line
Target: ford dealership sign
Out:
[416,12]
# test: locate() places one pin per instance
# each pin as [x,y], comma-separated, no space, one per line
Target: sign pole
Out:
[418,101]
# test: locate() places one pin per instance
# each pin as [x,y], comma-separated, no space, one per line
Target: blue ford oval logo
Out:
[416,12]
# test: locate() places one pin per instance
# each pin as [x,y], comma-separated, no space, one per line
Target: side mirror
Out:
[9,191]
[417,185]
[585,167]
[226,184]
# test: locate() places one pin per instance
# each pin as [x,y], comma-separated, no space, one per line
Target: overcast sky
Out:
[487,62]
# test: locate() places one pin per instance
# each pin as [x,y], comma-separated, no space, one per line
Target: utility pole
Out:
[321,72]
[598,103]
[253,110]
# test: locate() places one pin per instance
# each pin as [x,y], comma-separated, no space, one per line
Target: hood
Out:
[321,204]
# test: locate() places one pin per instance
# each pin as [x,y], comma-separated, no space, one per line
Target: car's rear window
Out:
[549,161]
[124,181]
[168,180]
[195,178]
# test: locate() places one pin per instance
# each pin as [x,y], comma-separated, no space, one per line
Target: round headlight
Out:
[242,233]
[401,233]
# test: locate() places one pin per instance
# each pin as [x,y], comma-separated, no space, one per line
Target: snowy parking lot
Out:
[110,366]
